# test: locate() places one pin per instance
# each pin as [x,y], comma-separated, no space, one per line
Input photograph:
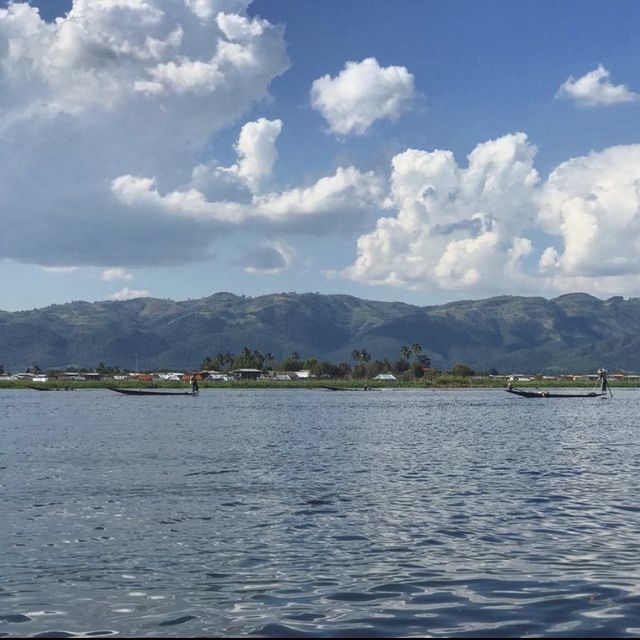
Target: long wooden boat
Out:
[146,392]
[324,386]
[551,394]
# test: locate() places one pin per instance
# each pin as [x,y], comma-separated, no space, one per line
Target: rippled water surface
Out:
[319,513]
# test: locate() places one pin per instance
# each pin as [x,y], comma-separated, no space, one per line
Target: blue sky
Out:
[414,151]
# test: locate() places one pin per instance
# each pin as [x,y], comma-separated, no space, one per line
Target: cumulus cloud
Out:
[362,93]
[456,228]
[109,111]
[129,294]
[116,88]
[268,257]
[206,9]
[333,202]
[257,151]
[478,228]
[595,89]
[116,273]
[593,204]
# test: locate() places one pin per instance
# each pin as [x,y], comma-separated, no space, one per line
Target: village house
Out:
[246,374]
[389,377]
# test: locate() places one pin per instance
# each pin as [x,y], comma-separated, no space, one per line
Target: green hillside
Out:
[574,332]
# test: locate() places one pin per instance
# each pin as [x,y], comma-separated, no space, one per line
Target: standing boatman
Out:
[602,380]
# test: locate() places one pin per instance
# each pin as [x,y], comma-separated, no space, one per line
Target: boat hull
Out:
[551,394]
[145,392]
[347,388]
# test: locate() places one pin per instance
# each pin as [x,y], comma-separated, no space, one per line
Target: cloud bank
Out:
[122,88]
[455,227]
[108,117]
[478,228]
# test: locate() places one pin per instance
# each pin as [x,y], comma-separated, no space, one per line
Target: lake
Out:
[317,513]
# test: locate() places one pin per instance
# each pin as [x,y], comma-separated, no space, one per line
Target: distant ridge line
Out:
[572,332]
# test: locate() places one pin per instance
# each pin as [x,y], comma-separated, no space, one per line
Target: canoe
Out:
[324,386]
[551,394]
[145,392]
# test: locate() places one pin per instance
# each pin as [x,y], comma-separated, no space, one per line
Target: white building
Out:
[173,376]
[216,376]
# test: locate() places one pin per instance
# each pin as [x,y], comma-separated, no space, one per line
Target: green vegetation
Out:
[434,380]
[412,370]
[460,376]
[574,333]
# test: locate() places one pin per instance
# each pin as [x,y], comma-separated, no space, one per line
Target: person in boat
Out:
[194,384]
[602,380]
[510,386]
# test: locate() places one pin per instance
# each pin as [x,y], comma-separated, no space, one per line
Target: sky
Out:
[416,151]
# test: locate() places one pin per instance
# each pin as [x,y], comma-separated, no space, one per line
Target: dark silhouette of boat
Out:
[365,388]
[603,385]
[146,392]
[551,394]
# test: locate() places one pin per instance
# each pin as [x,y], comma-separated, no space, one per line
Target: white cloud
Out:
[362,93]
[342,197]
[116,273]
[182,77]
[257,154]
[206,9]
[60,269]
[256,150]
[595,89]
[129,294]
[108,111]
[592,204]
[456,228]
[333,202]
[117,88]
[479,228]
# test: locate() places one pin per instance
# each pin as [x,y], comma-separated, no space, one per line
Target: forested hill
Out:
[574,332]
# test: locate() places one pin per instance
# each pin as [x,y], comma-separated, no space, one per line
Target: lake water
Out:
[317,513]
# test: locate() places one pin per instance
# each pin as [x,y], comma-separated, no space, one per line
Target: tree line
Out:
[412,362]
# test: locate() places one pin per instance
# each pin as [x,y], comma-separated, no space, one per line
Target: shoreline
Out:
[448,383]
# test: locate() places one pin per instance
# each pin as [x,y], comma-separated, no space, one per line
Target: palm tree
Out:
[405,352]
[258,359]
[365,356]
[416,347]
[361,356]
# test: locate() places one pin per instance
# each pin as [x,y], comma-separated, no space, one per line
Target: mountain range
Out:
[571,333]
